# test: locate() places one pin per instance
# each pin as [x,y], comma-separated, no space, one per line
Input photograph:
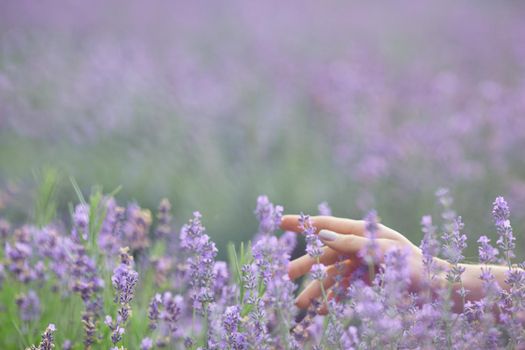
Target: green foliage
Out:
[45,197]
[237,261]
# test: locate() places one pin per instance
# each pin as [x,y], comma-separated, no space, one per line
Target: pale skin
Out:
[346,237]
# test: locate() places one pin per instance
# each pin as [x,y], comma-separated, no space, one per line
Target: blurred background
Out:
[211,103]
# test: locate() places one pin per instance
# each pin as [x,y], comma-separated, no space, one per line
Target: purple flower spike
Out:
[318,272]
[67,345]
[324,209]
[164,219]
[370,252]
[29,306]
[234,338]
[313,244]
[136,228]
[109,238]
[269,215]
[47,342]
[80,221]
[201,262]
[47,338]
[173,306]
[501,216]
[153,310]
[289,241]
[487,253]
[124,281]
[146,344]
[430,247]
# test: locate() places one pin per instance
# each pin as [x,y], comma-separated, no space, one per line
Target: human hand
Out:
[344,239]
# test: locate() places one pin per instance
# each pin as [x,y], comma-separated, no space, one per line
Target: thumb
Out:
[350,244]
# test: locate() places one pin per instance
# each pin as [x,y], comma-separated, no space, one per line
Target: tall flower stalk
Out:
[124,282]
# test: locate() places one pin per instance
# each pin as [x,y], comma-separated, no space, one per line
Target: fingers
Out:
[351,244]
[301,266]
[341,225]
[314,290]
[344,226]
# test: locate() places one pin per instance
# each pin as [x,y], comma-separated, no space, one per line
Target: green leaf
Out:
[45,201]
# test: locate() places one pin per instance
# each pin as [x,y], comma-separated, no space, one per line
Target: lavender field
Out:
[414,111]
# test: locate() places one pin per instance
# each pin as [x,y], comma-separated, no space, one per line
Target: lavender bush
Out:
[173,293]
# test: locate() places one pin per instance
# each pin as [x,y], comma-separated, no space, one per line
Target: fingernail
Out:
[326,235]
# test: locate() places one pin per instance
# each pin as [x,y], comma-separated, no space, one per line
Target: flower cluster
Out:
[501,215]
[29,306]
[313,244]
[136,228]
[81,222]
[201,258]
[164,219]
[250,303]
[370,252]
[269,215]
[124,282]
[47,342]
[86,282]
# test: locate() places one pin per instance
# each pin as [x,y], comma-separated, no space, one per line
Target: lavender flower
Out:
[318,272]
[270,258]
[289,240]
[446,201]
[300,331]
[153,311]
[58,250]
[454,244]
[335,329]
[396,278]
[487,253]
[313,244]
[430,248]
[269,215]
[173,306]
[164,219]
[200,262]
[146,344]
[501,215]
[369,308]
[136,228]
[109,238]
[47,338]
[256,329]
[124,278]
[231,319]
[84,275]
[221,278]
[370,252]
[124,281]
[261,314]
[29,306]
[249,277]
[81,222]
[163,267]
[18,260]
[271,261]
[67,345]
[324,209]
